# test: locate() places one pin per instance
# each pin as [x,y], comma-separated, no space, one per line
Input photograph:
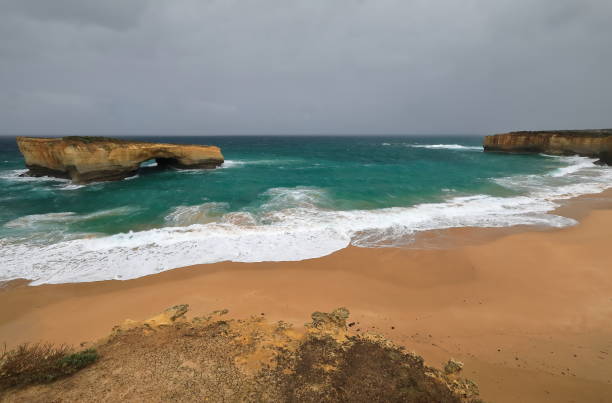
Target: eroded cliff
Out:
[217,359]
[93,159]
[588,143]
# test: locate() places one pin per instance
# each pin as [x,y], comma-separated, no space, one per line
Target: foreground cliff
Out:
[92,159]
[169,358]
[587,143]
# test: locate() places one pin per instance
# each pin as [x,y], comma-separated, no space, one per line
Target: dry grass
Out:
[40,363]
[93,139]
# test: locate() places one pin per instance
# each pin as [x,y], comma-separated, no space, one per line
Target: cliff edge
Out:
[94,159]
[587,143]
[212,358]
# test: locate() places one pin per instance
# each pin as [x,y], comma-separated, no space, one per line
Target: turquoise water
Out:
[275,198]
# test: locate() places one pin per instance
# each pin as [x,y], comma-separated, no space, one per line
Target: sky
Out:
[203,67]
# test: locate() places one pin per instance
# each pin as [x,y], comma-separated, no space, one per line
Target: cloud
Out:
[304,66]
[112,14]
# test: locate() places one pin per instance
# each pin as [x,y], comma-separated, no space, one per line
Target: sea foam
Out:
[199,214]
[41,220]
[446,147]
[241,163]
[292,224]
[16,175]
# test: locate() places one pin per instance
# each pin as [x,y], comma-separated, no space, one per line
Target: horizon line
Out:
[241,135]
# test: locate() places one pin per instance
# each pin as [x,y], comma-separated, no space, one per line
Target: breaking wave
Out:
[15,175]
[42,220]
[241,163]
[200,214]
[290,223]
[576,165]
[446,147]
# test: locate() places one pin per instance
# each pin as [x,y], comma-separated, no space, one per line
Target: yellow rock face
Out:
[91,159]
[589,143]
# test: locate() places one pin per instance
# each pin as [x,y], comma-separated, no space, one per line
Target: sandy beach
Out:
[528,311]
[306,201]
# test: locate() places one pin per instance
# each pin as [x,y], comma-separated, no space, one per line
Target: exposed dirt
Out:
[169,358]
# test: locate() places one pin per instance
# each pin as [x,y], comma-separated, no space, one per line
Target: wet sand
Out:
[528,311]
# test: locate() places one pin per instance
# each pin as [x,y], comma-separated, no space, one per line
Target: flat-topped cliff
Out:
[93,159]
[214,358]
[588,143]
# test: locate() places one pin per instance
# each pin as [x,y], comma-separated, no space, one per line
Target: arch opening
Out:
[167,163]
[149,166]
[150,163]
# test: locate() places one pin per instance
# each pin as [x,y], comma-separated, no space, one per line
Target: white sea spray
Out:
[292,223]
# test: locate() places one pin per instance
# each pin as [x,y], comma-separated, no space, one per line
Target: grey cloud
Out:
[304,66]
[113,14]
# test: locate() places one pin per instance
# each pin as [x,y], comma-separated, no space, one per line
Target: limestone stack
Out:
[92,159]
[588,143]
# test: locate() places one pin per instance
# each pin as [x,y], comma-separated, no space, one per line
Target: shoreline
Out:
[527,309]
[151,248]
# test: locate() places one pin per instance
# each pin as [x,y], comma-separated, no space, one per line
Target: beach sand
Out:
[528,311]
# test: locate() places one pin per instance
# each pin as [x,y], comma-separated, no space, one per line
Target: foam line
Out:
[293,224]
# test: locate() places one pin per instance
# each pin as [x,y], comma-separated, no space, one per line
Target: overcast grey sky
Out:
[303,66]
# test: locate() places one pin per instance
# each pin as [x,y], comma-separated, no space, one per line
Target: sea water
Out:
[276,198]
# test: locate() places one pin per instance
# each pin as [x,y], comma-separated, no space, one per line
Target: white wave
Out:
[300,196]
[576,164]
[37,219]
[231,164]
[385,144]
[15,176]
[580,176]
[240,163]
[446,147]
[291,234]
[200,214]
[41,220]
[72,186]
[133,255]
[292,224]
[239,218]
[125,210]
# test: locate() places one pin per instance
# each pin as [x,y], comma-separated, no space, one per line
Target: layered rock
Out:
[588,143]
[93,159]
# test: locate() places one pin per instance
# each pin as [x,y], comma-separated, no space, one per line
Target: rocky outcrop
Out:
[588,143]
[171,357]
[93,159]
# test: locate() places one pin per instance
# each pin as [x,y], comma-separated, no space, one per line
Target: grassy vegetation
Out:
[40,363]
[91,139]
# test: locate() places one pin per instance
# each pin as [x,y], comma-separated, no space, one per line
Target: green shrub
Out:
[76,361]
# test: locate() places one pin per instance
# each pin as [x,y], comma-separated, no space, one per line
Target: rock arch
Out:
[93,159]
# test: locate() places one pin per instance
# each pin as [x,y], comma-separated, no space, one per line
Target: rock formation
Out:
[587,143]
[92,159]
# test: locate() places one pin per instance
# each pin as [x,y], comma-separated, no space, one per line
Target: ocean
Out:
[276,198]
